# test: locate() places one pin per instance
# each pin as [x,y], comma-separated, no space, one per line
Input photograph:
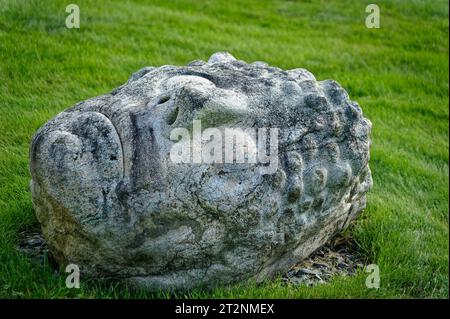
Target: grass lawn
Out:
[398,74]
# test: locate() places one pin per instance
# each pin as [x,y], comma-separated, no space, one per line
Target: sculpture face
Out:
[111,197]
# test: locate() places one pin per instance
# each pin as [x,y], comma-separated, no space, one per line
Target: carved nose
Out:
[185,104]
[213,106]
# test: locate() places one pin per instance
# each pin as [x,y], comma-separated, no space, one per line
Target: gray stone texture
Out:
[109,198]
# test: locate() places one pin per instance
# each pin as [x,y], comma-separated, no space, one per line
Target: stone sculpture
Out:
[110,198]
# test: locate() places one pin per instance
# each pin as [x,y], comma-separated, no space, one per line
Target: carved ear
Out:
[78,162]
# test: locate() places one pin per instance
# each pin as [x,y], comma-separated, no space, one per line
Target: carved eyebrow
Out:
[207,76]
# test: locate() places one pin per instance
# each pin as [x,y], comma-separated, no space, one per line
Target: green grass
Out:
[398,74]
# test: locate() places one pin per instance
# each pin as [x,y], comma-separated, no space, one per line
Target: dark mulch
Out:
[339,257]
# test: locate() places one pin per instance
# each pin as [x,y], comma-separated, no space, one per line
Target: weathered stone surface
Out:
[110,199]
